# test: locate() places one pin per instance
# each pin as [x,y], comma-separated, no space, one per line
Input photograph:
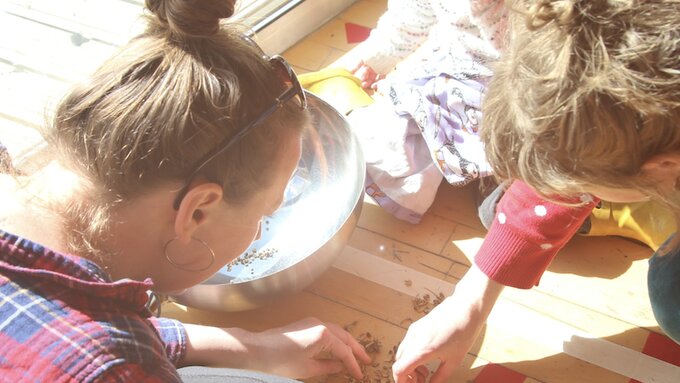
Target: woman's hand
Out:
[310,348]
[302,349]
[448,332]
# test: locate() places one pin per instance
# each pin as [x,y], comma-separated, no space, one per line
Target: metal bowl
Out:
[302,239]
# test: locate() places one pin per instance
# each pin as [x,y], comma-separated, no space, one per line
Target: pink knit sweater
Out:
[526,234]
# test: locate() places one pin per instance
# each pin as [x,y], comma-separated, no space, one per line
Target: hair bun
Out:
[196,18]
[543,12]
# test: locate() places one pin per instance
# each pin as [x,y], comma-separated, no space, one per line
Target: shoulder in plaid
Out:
[63,319]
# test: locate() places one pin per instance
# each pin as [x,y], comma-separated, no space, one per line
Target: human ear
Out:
[199,202]
[663,169]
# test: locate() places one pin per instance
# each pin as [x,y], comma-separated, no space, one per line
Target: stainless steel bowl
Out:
[303,238]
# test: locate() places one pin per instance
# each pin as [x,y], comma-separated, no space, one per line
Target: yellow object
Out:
[338,87]
[648,222]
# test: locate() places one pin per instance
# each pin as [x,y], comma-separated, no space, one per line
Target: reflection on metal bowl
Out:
[303,238]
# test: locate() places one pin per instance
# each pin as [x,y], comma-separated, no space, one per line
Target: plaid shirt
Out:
[63,320]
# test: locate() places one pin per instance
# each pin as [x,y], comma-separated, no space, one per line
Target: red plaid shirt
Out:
[63,320]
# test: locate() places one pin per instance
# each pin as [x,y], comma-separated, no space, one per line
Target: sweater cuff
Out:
[525,265]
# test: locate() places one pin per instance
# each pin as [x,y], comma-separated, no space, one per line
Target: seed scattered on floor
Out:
[424,304]
[381,371]
[378,371]
[350,327]
[371,345]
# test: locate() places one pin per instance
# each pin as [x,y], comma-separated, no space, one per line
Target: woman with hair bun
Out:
[166,160]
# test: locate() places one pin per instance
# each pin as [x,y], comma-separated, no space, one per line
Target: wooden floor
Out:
[589,321]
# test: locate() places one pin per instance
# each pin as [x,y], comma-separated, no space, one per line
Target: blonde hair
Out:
[586,93]
[167,98]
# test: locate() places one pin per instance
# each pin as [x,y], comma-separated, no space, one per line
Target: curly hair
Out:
[587,91]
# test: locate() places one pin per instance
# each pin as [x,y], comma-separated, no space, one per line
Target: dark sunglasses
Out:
[293,91]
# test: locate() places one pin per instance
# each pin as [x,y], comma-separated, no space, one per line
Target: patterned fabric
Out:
[400,174]
[63,320]
[444,96]
[470,26]
[436,95]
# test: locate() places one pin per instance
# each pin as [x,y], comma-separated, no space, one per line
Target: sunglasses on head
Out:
[293,92]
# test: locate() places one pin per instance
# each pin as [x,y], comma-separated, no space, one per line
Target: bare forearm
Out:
[219,347]
[301,349]
[478,292]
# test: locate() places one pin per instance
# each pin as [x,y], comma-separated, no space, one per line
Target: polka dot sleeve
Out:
[526,234]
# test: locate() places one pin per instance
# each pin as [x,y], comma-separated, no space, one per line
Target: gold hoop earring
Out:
[182,266]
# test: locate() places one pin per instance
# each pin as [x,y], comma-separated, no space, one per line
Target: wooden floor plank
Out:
[309,55]
[459,204]
[332,34]
[604,274]
[431,234]
[412,257]
[363,13]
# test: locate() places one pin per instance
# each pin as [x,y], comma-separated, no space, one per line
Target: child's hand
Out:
[369,78]
[310,348]
[448,331]
[445,334]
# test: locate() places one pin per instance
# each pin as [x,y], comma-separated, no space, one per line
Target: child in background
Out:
[426,125]
[166,161]
[584,105]
[603,90]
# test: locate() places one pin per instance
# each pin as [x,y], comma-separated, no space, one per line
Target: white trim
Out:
[276,33]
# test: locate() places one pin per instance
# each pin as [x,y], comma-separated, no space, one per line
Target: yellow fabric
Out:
[648,222]
[338,87]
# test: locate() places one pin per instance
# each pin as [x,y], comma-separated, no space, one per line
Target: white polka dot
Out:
[540,210]
[586,198]
[546,246]
[501,218]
